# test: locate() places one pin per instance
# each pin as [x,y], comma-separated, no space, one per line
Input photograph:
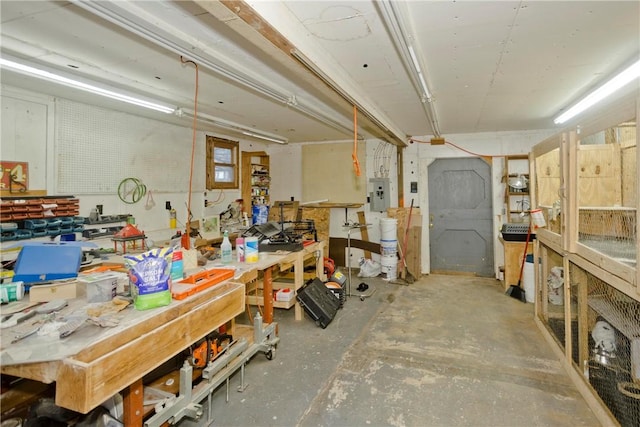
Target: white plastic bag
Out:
[369,268]
[555,285]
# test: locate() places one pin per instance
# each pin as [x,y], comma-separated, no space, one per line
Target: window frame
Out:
[213,142]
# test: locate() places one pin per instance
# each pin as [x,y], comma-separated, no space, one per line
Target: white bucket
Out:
[388,229]
[388,247]
[389,266]
[528,280]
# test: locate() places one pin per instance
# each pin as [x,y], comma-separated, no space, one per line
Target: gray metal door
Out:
[460,217]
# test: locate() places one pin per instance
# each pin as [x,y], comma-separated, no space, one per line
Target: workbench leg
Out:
[320,263]
[267,290]
[133,400]
[298,281]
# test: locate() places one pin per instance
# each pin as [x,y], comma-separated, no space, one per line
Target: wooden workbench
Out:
[269,261]
[95,363]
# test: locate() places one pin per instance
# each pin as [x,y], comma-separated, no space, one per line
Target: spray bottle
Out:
[225,249]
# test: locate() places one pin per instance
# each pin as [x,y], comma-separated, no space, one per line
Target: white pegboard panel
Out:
[97,148]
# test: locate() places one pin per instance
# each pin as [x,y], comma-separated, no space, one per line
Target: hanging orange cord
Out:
[187,241]
[354,155]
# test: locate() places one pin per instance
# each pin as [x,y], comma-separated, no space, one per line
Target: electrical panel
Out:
[379,197]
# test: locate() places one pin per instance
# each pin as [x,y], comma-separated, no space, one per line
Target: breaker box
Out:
[380,197]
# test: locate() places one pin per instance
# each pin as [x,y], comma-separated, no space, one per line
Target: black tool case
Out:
[319,302]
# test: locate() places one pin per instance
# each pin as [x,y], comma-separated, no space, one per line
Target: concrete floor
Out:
[444,351]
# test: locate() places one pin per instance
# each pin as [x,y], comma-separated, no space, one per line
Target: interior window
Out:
[222,163]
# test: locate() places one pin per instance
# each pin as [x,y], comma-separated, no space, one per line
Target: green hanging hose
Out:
[131,190]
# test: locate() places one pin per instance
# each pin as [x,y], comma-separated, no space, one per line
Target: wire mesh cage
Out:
[609,345]
[607,192]
[550,296]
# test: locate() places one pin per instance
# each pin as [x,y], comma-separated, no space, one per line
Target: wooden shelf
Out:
[516,201]
[255,166]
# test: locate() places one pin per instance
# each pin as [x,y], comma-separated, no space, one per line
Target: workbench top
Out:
[94,363]
[332,205]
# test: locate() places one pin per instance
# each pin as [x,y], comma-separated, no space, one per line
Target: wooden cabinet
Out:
[513,254]
[517,200]
[256,179]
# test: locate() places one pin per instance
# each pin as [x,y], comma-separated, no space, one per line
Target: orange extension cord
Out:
[354,155]
[187,241]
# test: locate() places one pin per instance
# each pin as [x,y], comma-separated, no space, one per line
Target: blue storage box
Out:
[8,226]
[23,234]
[35,224]
[66,221]
[7,236]
[53,231]
[53,223]
[42,262]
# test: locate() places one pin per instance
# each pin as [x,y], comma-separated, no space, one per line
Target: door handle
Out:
[431,221]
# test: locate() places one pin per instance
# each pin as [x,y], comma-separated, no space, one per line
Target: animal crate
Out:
[609,342]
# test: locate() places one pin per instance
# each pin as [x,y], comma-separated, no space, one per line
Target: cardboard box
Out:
[285,294]
[100,287]
[67,289]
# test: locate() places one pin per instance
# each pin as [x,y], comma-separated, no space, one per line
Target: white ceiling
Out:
[490,66]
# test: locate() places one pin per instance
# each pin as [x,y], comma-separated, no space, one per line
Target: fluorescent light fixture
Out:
[266,138]
[617,82]
[235,127]
[391,17]
[133,19]
[43,74]
[426,96]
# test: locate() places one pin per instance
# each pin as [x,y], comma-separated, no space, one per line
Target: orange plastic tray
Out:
[199,281]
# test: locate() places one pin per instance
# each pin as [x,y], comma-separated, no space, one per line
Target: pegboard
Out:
[97,148]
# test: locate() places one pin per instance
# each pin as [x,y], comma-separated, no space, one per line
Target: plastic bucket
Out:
[388,229]
[388,247]
[389,266]
[251,254]
[528,280]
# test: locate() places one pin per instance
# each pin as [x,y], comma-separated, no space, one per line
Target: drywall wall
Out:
[328,173]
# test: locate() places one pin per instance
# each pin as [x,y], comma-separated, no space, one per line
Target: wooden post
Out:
[364,233]
[133,404]
[267,289]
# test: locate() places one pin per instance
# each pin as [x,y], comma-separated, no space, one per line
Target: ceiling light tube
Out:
[266,138]
[235,127]
[41,73]
[392,20]
[617,82]
[154,35]
[426,95]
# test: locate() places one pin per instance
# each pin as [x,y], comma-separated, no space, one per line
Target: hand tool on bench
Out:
[13,319]
[20,337]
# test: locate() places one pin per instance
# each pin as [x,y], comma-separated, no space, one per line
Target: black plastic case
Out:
[319,302]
